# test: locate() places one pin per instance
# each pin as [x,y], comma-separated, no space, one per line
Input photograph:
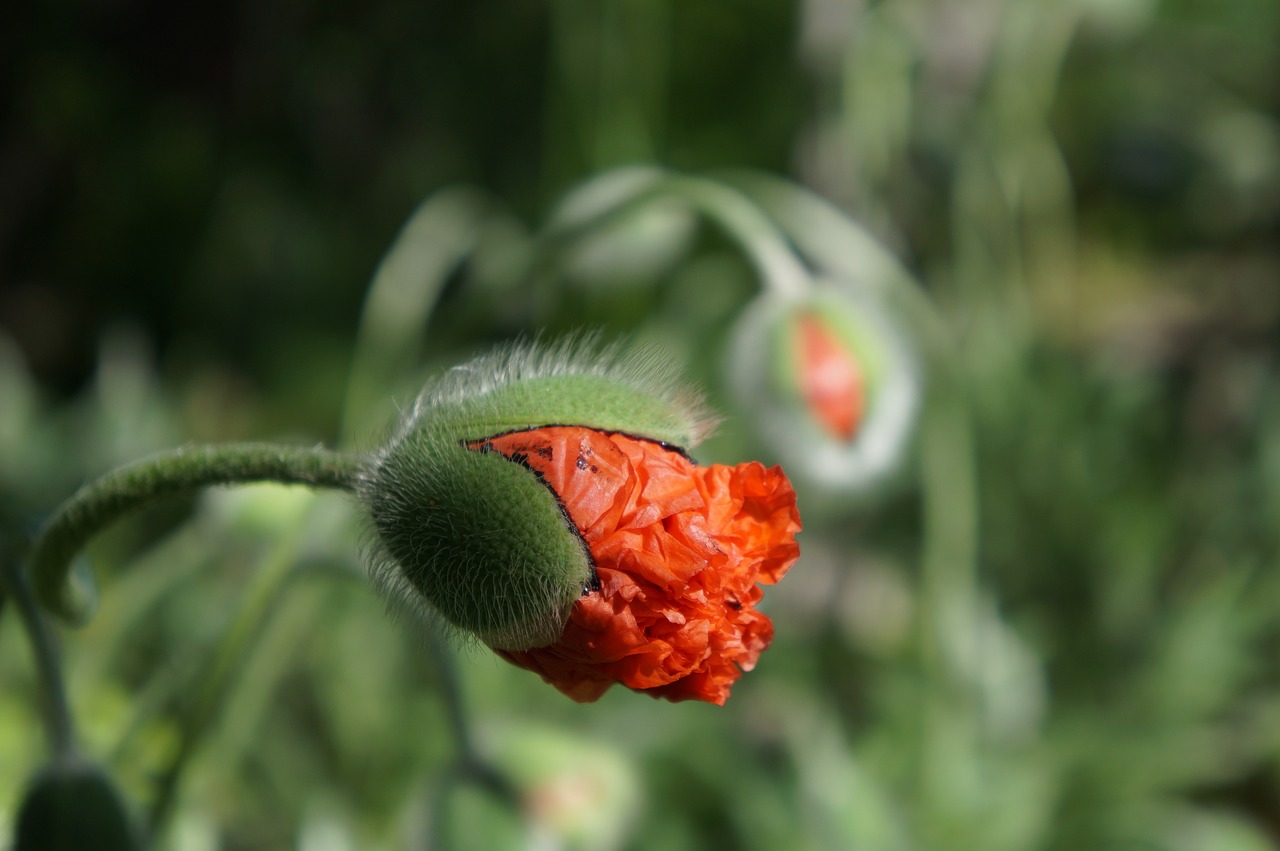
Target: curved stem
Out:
[178,471]
[742,220]
[779,268]
[57,711]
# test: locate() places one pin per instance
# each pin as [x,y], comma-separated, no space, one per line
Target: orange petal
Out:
[678,550]
[831,380]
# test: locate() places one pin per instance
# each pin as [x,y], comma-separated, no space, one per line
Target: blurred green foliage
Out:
[1057,632]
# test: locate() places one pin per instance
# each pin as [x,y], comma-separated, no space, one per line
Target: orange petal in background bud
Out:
[678,551]
[831,380]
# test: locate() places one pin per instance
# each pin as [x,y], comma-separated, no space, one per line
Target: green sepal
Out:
[480,538]
[582,400]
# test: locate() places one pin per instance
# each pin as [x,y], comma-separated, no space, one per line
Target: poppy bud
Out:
[541,500]
[72,804]
[830,383]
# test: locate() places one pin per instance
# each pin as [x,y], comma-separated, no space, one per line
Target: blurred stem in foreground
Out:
[57,713]
[470,767]
[950,631]
[437,238]
[131,487]
[256,605]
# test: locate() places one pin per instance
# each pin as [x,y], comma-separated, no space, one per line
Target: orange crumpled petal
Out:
[678,550]
[830,379]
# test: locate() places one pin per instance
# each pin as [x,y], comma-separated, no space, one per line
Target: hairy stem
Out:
[167,474]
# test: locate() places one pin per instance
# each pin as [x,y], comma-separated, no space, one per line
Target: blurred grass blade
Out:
[435,240]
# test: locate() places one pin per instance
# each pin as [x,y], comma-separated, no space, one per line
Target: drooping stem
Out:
[740,218]
[950,629]
[167,474]
[57,712]
[779,268]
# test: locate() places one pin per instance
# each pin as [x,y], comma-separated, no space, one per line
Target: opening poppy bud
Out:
[829,376]
[539,501]
[830,383]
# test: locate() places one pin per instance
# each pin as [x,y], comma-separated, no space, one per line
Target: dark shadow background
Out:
[226,175]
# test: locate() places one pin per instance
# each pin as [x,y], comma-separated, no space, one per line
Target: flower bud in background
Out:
[542,501]
[830,384]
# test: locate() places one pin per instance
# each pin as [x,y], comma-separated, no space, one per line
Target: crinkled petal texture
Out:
[678,550]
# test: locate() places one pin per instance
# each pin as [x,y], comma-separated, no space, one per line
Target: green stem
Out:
[779,268]
[742,220]
[57,712]
[257,604]
[167,474]
[451,688]
[949,625]
[438,238]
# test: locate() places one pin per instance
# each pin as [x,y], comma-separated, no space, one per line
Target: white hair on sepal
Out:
[406,607]
[410,609]
[645,369]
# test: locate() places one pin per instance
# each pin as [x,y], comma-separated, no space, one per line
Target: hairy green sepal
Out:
[585,400]
[481,538]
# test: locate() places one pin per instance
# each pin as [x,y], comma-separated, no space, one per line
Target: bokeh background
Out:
[1055,629]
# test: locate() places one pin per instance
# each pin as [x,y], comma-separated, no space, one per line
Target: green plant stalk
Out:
[470,761]
[256,605]
[776,264]
[948,618]
[948,599]
[149,480]
[438,238]
[44,646]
